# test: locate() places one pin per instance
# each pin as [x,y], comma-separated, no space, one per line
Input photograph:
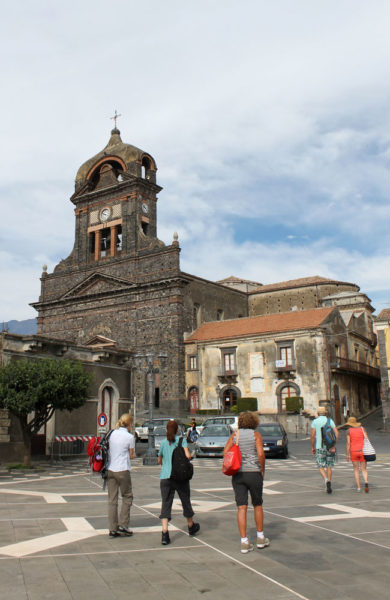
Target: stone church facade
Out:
[121,284]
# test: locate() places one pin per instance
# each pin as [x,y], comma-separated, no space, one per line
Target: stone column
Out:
[98,235]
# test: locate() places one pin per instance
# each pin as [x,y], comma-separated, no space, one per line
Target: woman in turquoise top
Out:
[168,486]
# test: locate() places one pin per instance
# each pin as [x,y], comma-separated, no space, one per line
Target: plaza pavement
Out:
[54,541]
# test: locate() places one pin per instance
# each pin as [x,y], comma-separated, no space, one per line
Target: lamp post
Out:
[145,363]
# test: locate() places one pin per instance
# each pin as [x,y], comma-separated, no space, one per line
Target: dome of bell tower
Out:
[124,158]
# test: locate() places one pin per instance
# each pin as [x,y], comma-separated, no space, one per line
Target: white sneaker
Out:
[246,547]
[262,542]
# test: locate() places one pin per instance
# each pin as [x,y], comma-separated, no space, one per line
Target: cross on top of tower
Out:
[114,118]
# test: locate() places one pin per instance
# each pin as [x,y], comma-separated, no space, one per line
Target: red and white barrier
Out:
[73,438]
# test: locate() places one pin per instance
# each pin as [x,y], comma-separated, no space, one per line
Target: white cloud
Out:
[274,112]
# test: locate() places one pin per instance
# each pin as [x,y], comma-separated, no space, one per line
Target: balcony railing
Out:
[282,365]
[345,364]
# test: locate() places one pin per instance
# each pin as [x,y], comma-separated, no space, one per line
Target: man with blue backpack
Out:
[324,436]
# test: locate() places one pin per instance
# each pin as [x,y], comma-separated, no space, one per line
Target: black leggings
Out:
[168,488]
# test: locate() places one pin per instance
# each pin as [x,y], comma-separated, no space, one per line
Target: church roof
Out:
[297,283]
[249,326]
[233,279]
[115,147]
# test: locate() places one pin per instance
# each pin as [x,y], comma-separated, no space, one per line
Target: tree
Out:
[33,389]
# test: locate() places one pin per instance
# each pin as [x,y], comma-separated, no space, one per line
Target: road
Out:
[54,542]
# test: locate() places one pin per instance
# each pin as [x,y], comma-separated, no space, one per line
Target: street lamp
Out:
[145,363]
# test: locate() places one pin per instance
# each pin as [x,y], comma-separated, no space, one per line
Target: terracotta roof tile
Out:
[384,314]
[295,283]
[248,326]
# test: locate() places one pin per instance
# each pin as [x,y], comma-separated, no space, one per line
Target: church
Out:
[121,287]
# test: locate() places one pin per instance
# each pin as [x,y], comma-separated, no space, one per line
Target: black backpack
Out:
[328,436]
[182,468]
[104,448]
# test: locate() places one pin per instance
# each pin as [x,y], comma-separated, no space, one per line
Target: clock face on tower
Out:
[104,214]
[145,208]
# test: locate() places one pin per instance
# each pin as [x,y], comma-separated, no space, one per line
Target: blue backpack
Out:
[328,436]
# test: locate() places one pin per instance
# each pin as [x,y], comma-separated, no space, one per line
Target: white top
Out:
[120,442]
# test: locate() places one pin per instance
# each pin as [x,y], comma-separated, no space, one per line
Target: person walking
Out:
[168,486]
[325,457]
[121,450]
[249,478]
[354,452]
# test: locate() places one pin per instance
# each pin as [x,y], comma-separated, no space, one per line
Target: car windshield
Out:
[216,430]
[271,429]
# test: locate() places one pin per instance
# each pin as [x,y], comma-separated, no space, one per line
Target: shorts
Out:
[357,456]
[325,458]
[248,481]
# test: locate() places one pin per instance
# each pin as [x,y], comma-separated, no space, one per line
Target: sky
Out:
[269,123]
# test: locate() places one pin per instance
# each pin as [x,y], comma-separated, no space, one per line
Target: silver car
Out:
[160,434]
[212,440]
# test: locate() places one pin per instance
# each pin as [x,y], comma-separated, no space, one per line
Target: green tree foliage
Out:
[33,389]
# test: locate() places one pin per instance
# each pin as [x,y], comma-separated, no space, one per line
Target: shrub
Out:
[294,404]
[244,404]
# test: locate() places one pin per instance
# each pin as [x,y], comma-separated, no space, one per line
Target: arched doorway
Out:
[193,397]
[108,402]
[229,397]
[285,390]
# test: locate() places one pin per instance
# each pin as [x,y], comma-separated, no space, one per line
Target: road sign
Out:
[102,420]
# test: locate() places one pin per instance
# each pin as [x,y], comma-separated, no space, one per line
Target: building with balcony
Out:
[310,354]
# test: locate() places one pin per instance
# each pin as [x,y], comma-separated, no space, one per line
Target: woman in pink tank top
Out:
[354,451]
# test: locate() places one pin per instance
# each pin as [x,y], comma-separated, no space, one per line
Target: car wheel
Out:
[285,453]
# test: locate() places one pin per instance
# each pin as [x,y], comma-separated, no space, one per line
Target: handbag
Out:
[232,460]
[368,450]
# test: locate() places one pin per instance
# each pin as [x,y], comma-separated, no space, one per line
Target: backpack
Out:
[95,455]
[97,451]
[104,449]
[182,468]
[328,436]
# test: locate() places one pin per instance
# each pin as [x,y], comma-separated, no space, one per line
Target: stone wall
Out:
[303,298]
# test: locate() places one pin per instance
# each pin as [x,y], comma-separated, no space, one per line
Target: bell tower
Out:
[115,202]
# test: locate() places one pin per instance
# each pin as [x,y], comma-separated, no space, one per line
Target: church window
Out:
[92,243]
[196,316]
[145,227]
[119,238]
[145,168]
[105,242]
[219,314]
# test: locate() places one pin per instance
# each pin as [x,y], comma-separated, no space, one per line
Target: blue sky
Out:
[269,123]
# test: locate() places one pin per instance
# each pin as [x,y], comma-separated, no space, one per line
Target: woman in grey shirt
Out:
[249,478]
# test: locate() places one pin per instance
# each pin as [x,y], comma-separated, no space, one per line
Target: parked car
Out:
[160,434]
[141,433]
[275,440]
[212,440]
[231,420]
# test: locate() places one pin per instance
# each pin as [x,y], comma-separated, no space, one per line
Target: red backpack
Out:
[94,452]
